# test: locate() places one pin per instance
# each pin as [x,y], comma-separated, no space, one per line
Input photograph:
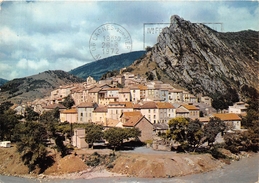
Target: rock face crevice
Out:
[202,60]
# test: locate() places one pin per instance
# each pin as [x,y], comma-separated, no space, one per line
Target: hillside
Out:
[2,81]
[197,58]
[36,86]
[98,68]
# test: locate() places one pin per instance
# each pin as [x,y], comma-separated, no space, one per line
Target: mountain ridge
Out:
[3,81]
[195,57]
[98,68]
[29,88]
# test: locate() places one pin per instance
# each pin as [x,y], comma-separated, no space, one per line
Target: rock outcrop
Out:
[195,57]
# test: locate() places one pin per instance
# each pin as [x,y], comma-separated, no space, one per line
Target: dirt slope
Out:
[128,164]
[164,165]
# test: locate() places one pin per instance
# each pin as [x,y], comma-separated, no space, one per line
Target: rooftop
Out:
[228,117]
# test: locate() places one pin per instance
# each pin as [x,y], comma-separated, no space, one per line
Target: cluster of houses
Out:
[130,101]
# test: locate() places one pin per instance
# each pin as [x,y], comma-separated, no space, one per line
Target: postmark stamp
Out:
[108,40]
[152,30]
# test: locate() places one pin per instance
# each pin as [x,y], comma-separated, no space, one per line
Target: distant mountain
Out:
[97,68]
[203,61]
[2,81]
[36,86]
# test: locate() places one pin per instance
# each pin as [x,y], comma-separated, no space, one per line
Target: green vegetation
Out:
[96,159]
[190,134]
[222,101]
[12,86]
[68,102]
[32,144]
[115,135]
[93,133]
[248,140]
[3,81]
[8,121]
[31,115]
[98,68]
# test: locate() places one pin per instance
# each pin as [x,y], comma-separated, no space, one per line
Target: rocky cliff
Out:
[195,57]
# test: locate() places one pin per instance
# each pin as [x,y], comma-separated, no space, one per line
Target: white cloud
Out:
[47,35]
[34,65]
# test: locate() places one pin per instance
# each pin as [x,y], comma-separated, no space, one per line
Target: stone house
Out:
[143,124]
[59,94]
[90,80]
[135,93]
[78,139]
[182,112]
[238,108]
[124,95]
[53,106]
[77,95]
[194,112]
[125,116]
[85,112]
[232,120]
[115,109]
[100,115]
[175,95]
[187,97]
[207,100]
[94,94]
[69,115]
[158,112]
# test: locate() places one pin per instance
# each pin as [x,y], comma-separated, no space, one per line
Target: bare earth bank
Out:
[144,165]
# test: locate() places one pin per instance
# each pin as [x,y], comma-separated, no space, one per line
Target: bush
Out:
[217,154]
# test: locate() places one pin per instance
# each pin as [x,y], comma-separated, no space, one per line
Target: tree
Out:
[93,133]
[5,106]
[68,102]
[30,114]
[178,129]
[8,121]
[115,135]
[50,116]
[32,145]
[194,133]
[134,133]
[211,130]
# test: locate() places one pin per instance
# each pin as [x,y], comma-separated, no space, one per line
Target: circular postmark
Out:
[108,40]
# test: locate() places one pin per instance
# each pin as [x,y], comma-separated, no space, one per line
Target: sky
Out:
[36,36]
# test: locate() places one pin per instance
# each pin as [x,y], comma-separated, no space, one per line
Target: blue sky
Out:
[49,35]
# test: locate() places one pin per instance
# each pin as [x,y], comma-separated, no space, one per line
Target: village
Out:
[129,101]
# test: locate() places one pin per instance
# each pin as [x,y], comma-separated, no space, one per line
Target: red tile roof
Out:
[228,117]
[133,121]
[86,105]
[100,109]
[149,105]
[127,115]
[190,107]
[124,104]
[69,111]
[164,105]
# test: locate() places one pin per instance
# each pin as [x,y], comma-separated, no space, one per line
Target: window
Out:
[81,114]
[148,110]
